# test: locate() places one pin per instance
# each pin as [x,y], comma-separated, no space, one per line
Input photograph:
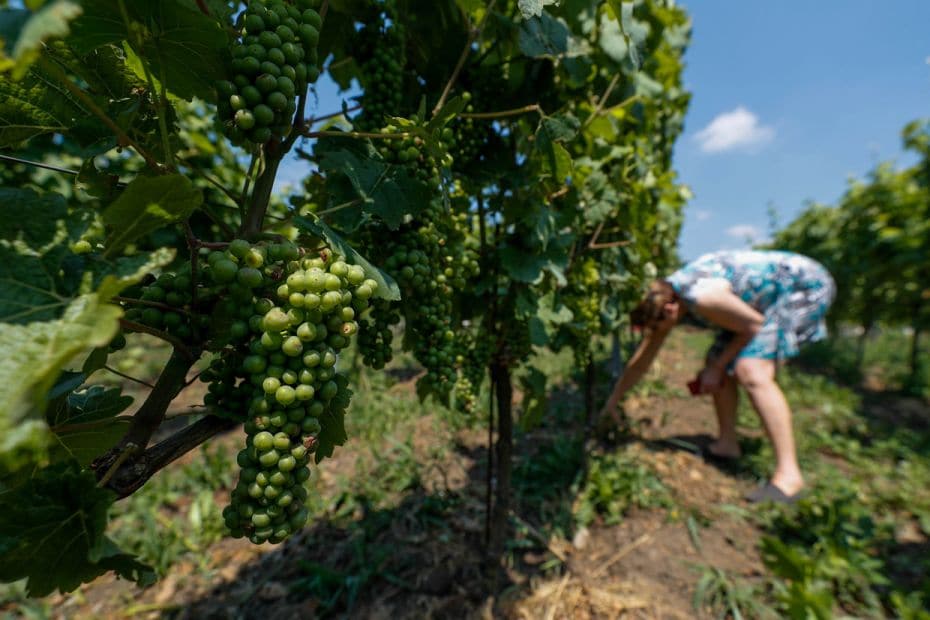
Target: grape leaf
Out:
[92,404]
[387,287]
[52,533]
[147,204]
[560,127]
[544,36]
[36,231]
[39,275]
[385,190]
[87,426]
[28,33]
[535,401]
[31,357]
[332,434]
[530,267]
[620,38]
[37,105]
[554,161]
[185,46]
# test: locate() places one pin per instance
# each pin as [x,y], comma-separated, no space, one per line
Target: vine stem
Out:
[316,119]
[129,377]
[472,36]
[179,346]
[160,99]
[357,134]
[216,183]
[152,412]
[258,203]
[345,205]
[43,165]
[150,304]
[535,107]
[128,451]
[121,135]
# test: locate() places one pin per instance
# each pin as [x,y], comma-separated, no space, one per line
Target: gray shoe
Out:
[771,493]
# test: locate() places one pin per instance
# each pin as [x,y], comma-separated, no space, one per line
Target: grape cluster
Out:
[383,44]
[375,336]
[466,138]
[475,351]
[165,304]
[277,319]
[582,298]
[411,151]
[292,381]
[272,63]
[429,258]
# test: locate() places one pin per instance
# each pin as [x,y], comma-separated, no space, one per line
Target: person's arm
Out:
[722,307]
[635,369]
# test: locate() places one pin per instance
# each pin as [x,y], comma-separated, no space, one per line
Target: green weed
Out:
[180,505]
[616,483]
[726,596]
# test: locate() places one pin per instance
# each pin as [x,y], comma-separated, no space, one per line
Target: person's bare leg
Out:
[726,400]
[757,376]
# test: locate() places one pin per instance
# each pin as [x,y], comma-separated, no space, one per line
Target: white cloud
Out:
[745,232]
[702,215]
[734,130]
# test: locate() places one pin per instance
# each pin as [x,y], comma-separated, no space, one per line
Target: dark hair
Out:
[650,309]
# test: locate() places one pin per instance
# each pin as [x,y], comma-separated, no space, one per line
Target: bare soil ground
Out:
[423,557]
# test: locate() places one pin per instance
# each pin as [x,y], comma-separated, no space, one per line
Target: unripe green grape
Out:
[285,395]
[271,385]
[269,458]
[292,346]
[311,425]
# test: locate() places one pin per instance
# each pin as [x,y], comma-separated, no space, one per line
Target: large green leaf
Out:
[27,33]
[621,34]
[35,233]
[182,47]
[331,435]
[39,275]
[530,267]
[544,36]
[147,204]
[52,533]
[387,287]
[385,190]
[38,105]
[87,425]
[554,161]
[31,357]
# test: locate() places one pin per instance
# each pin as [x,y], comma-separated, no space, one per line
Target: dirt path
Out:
[421,558]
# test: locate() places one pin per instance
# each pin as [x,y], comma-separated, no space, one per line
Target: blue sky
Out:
[789,99]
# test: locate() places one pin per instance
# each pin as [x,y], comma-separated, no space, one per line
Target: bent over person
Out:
[765,305]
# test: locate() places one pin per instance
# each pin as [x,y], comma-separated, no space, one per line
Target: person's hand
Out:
[609,411]
[671,312]
[711,379]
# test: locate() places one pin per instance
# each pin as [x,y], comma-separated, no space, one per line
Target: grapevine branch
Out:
[504,113]
[132,474]
[472,36]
